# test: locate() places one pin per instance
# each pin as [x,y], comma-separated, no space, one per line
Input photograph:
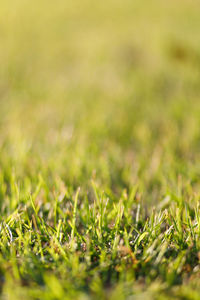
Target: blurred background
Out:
[103,90]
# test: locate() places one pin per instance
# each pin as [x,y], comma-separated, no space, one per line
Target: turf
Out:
[99,149]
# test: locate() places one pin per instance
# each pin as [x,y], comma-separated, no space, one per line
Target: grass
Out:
[99,150]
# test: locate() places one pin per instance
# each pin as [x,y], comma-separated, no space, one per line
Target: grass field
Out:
[100,149]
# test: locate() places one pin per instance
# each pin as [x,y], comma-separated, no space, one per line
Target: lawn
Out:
[99,150]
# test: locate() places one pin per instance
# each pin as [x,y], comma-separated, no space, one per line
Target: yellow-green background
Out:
[107,91]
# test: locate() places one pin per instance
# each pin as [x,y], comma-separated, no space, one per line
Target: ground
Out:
[100,149]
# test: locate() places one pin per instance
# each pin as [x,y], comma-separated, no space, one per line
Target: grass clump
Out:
[100,247]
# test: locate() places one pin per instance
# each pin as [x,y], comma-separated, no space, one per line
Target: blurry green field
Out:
[100,149]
